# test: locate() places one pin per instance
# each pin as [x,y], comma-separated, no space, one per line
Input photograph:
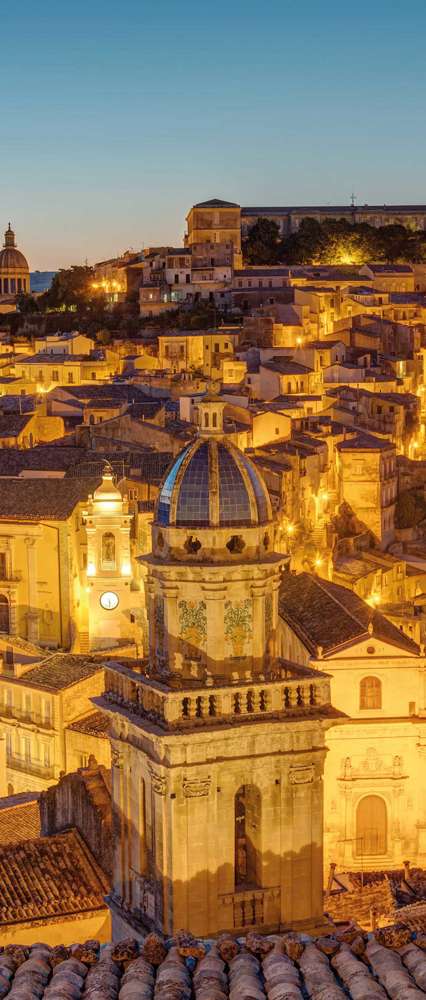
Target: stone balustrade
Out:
[295,696]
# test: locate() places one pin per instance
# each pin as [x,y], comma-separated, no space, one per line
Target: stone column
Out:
[214,596]
[171,626]
[258,640]
[301,778]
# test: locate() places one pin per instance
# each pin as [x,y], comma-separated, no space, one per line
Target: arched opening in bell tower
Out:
[247,813]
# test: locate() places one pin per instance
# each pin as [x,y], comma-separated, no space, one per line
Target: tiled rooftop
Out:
[36,499]
[47,877]
[19,818]
[95,724]
[327,615]
[60,671]
[349,966]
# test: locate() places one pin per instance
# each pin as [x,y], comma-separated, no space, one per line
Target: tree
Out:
[262,245]
[27,304]
[71,287]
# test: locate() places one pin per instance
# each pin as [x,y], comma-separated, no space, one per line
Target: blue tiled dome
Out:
[212,484]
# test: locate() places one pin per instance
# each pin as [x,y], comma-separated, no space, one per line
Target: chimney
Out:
[406,870]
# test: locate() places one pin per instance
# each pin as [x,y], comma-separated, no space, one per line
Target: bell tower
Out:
[109,568]
[218,743]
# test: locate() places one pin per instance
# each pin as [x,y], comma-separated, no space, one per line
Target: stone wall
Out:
[82,800]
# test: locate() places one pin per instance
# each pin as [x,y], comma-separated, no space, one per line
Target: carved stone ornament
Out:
[158,782]
[195,788]
[117,757]
[301,775]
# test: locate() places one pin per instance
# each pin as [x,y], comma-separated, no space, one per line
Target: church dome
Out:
[11,259]
[212,484]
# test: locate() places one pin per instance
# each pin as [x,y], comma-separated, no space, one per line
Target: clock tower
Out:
[111,619]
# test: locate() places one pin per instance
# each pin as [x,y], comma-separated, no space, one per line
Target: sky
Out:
[116,118]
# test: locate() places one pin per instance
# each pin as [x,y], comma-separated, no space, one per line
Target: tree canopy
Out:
[334,241]
[263,243]
[71,287]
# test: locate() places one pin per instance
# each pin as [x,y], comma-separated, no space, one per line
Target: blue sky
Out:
[115,118]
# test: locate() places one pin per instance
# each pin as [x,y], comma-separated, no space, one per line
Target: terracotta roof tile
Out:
[19,821]
[327,615]
[48,877]
[61,671]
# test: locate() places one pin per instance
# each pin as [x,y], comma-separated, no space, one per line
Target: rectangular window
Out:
[8,744]
[27,704]
[55,375]
[47,711]
[3,566]
[27,749]
[70,378]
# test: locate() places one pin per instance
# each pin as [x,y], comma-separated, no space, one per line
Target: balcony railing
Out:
[299,692]
[28,718]
[33,767]
[252,907]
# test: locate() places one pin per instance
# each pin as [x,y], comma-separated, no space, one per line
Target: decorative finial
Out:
[370,628]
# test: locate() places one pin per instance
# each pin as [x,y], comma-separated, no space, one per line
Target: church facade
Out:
[218,744]
[374,796]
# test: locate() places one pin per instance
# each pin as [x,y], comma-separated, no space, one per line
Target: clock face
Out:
[109,600]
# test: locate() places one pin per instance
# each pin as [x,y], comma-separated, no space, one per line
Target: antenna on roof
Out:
[353,199]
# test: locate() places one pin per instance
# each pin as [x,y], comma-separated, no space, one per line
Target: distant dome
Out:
[11,259]
[213,484]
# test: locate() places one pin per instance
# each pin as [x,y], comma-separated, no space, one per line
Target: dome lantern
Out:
[9,237]
[210,415]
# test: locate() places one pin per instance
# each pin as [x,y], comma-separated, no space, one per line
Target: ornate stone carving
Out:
[117,757]
[194,788]
[193,624]
[301,775]
[238,626]
[158,782]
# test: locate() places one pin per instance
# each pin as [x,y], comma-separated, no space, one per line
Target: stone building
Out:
[218,222]
[367,481]
[374,796]
[53,880]
[66,568]
[37,705]
[217,743]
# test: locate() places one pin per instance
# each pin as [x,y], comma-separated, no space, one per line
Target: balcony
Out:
[251,907]
[36,768]
[296,692]
[27,718]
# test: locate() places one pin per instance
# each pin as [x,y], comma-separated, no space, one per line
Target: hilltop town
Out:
[213,602]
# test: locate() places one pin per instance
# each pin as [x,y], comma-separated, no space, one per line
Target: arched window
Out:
[4,614]
[371,826]
[108,550]
[206,420]
[247,836]
[370,693]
